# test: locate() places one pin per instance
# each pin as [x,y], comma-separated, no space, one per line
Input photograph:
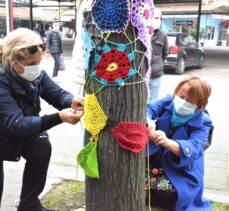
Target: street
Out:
[216,63]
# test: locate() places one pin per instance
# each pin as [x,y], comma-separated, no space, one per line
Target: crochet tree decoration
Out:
[141,17]
[111,15]
[94,117]
[88,160]
[114,66]
[88,46]
[131,135]
[111,61]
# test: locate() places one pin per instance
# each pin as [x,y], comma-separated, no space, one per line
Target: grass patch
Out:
[69,195]
[220,207]
[65,196]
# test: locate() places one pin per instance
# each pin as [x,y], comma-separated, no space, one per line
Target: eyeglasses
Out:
[33,49]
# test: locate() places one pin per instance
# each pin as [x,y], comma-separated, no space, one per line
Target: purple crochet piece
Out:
[111,15]
[141,17]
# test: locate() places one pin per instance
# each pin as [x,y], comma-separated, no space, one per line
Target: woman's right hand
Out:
[151,128]
[70,115]
[151,133]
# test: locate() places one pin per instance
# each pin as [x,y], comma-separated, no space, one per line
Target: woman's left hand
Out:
[70,115]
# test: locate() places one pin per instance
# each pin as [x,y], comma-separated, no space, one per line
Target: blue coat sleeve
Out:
[53,94]
[192,148]
[156,109]
[13,121]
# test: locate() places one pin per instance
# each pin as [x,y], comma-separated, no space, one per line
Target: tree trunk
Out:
[121,183]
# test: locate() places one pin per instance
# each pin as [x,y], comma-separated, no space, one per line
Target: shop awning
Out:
[190,9]
[222,17]
[23,13]
[221,10]
[68,15]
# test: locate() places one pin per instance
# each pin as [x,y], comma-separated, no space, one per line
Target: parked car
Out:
[184,52]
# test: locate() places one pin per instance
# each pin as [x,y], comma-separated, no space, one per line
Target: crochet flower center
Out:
[112,67]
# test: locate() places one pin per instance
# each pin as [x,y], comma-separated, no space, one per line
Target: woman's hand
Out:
[70,115]
[160,138]
[151,128]
[77,104]
[151,133]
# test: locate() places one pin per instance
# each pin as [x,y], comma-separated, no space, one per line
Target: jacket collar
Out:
[156,34]
[194,121]
[17,81]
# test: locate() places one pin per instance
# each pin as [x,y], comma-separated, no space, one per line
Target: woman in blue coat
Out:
[22,129]
[175,156]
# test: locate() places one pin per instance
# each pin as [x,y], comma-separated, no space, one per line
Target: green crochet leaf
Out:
[87,159]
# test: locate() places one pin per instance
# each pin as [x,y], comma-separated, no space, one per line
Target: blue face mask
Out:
[178,120]
[182,111]
[183,107]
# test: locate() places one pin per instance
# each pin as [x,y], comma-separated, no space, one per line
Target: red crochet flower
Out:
[113,65]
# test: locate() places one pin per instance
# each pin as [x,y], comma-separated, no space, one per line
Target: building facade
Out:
[214,21]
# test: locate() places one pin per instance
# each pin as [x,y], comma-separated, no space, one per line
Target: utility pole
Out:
[198,21]
[31,14]
[59,14]
[9,16]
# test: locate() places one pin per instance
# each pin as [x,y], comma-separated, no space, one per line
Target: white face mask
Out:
[56,27]
[183,107]
[156,23]
[30,72]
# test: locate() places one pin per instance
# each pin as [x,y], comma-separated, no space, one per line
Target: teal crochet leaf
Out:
[106,48]
[121,47]
[131,56]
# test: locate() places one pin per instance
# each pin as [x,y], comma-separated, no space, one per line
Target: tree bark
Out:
[121,183]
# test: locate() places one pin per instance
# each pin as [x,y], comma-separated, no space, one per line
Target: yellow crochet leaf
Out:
[94,117]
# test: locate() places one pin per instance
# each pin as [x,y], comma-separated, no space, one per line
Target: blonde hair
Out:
[15,43]
[200,90]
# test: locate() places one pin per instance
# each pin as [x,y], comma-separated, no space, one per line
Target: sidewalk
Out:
[67,142]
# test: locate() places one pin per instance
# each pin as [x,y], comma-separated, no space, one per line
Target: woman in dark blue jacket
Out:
[22,130]
[175,172]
